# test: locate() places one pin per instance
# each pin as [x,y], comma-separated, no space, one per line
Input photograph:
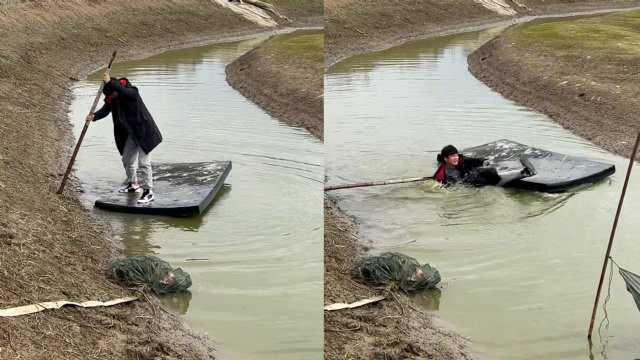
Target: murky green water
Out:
[519,268]
[259,290]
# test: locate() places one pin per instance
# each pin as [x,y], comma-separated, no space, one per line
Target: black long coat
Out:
[130,116]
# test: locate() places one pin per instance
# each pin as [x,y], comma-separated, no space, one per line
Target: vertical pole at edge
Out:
[613,234]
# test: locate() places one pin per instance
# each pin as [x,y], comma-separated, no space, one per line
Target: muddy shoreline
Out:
[391,329]
[51,247]
[350,32]
[288,85]
[591,95]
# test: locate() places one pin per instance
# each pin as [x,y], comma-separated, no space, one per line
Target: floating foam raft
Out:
[181,189]
[552,172]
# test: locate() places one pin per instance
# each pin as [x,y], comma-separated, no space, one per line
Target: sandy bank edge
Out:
[392,329]
[608,123]
[341,51]
[288,89]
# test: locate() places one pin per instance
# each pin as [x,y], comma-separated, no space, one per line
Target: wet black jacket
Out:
[130,116]
[472,172]
[468,165]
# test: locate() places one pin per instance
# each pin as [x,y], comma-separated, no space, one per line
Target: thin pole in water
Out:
[613,234]
[376,183]
[84,131]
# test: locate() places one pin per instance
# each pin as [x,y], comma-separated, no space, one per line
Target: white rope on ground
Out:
[340,306]
[34,308]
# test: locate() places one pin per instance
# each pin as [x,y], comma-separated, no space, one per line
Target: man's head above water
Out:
[449,155]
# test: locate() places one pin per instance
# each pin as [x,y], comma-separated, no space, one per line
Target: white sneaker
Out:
[131,189]
[146,198]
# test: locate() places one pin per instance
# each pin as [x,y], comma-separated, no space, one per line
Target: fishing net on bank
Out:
[397,269]
[149,272]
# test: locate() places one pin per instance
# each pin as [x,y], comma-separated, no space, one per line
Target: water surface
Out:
[257,286]
[519,268]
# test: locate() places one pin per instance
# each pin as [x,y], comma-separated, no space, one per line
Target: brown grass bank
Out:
[285,75]
[50,247]
[301,12]
[358,26]
[582,72]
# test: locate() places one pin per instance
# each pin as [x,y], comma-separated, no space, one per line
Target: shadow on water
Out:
[178,303]
[519,267]
[135,232]
[253,255]
[429,299]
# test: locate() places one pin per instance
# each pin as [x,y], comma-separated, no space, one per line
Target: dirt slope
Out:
[285,75]
[358,26]
[581,72]
[301,12]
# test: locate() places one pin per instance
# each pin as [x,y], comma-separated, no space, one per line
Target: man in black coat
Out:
[135,131]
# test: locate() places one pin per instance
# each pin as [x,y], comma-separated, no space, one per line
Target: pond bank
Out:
[359,26]
[390,329]
[580,72]
[284,76]
[51,247]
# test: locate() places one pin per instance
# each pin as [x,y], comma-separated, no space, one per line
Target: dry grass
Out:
[285,76]
[582,72]
[302,12]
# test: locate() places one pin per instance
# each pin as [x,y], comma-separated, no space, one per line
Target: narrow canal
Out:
[519,268]
[258,291]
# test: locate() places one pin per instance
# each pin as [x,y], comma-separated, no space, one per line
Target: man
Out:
[454,168]
[135,131]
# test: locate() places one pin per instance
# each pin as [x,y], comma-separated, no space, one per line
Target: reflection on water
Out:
[429,299]
[519,268]
[178,303]
[254,256]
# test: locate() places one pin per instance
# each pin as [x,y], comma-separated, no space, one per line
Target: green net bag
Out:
[395,268]
[150,272]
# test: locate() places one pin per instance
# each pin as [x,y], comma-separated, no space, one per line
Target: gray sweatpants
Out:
[133,157]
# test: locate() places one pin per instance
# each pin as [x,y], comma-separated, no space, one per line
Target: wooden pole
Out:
[613,234]
[84,131]
[377,183]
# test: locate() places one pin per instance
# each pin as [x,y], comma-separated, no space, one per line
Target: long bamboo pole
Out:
[84,131]
[613,234]
[377,183]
